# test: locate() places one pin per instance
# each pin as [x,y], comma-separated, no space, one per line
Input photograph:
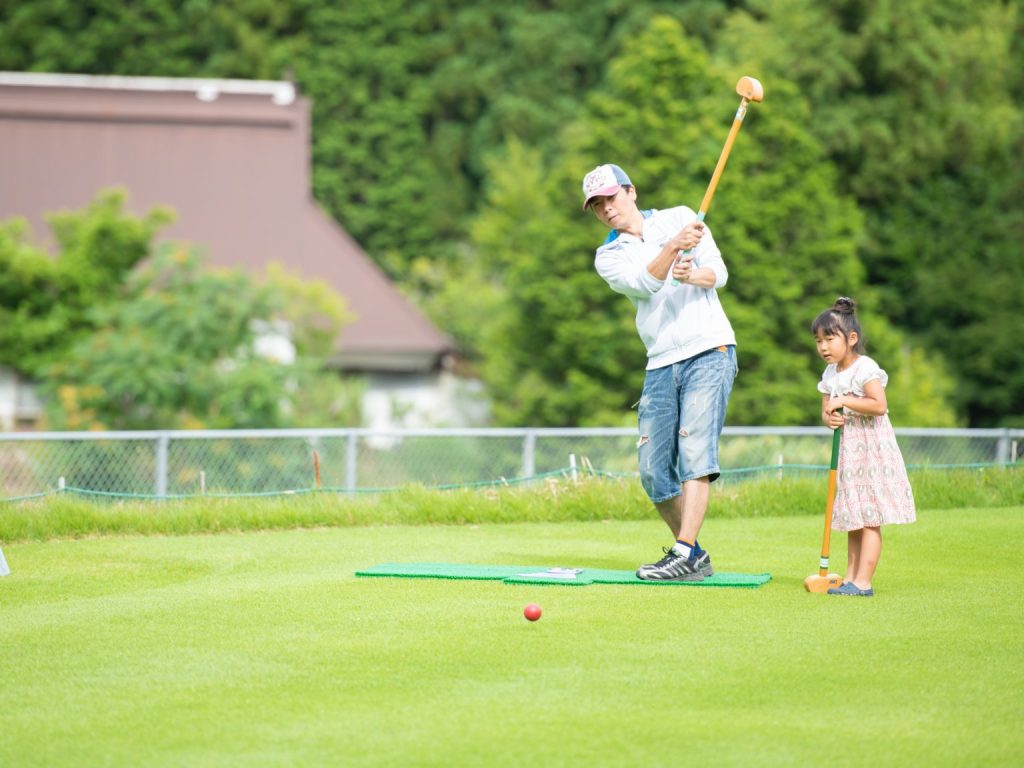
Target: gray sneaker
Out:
[674,567]
[704,565]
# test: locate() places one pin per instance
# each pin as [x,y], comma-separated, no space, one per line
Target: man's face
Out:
[614,210]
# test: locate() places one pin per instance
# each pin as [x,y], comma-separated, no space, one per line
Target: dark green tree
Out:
[167,38]
[918,106]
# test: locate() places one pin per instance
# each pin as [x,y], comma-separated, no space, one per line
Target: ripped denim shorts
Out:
[681,415]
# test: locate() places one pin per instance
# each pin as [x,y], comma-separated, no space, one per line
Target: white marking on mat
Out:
[553,573]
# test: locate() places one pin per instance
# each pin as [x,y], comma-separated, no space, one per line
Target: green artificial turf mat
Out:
[445,571]
[539,574]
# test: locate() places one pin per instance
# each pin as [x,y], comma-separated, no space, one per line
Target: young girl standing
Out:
[872,488]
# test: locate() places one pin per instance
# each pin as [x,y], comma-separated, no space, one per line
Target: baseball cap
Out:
[603,180]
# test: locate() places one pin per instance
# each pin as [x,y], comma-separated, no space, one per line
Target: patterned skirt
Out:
[872,487]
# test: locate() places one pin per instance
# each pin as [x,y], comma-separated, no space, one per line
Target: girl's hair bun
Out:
[840,319]
[844,305]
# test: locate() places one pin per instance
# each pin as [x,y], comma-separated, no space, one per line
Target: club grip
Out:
[836,433]
[700,217]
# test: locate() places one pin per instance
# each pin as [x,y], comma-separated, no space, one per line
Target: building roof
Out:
[232,157]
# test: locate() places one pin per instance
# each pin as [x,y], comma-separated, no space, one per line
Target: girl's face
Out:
[836,348]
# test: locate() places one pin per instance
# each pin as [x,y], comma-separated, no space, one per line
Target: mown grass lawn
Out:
[263,649]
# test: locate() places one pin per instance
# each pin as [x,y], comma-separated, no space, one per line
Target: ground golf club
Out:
[823,581]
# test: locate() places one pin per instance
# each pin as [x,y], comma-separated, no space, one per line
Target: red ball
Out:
[532,612]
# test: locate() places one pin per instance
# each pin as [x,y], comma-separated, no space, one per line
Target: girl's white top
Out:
[851,381]
[675,322]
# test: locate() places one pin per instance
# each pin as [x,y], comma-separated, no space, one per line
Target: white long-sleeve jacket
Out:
[675,322]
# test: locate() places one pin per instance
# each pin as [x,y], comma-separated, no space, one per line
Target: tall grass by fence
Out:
[167,464]
[556,499]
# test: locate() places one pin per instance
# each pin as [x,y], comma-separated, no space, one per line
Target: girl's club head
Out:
[822,584]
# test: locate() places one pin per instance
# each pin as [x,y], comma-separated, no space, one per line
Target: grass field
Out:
[263,649]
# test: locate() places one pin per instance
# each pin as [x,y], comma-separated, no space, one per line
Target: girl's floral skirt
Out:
[872,487]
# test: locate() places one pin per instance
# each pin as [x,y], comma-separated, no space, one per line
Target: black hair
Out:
[840,319]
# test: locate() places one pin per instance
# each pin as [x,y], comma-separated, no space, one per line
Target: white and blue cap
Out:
[602,181]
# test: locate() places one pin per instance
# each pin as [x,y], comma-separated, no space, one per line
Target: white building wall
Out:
[19,405]
[8,395]
[431,399]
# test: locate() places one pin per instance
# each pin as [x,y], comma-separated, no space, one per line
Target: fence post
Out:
[162,441]
[351,456]
[1003,448]
[529,448]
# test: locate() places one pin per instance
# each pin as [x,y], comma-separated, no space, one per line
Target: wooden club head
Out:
[751,89]
[822,584]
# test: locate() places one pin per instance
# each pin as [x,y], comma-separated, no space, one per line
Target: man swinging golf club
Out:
[691,355]
[691,347]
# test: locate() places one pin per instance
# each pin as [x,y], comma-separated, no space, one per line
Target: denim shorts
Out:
[682,412]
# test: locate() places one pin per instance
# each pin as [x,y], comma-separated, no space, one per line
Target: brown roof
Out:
[231,157]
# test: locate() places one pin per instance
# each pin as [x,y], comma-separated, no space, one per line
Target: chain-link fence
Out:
[235,462]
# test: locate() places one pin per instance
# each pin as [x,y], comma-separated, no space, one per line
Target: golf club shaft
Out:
[723,158]
[705,204]
[823,567]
